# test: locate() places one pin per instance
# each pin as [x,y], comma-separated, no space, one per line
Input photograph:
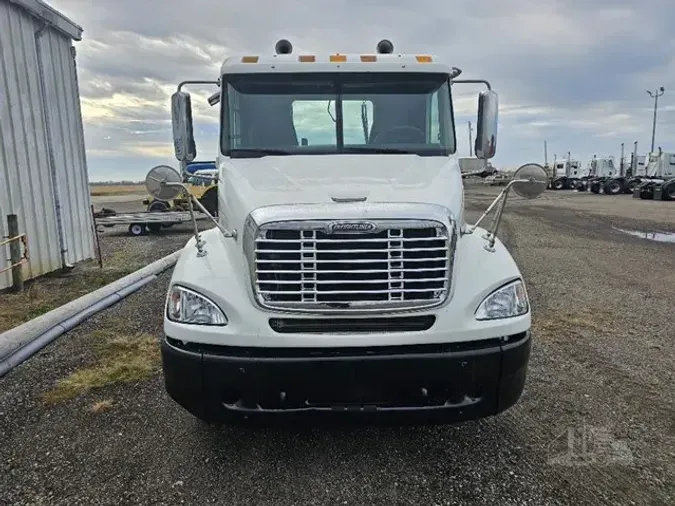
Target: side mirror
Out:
[486,131]
[181,119]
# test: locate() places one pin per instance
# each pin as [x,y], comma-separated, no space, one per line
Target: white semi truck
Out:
[658,182]
[341,278]
[646,177]
[566,174]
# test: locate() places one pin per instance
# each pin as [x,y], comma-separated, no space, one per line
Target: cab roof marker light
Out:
[249,59]
[307,58]
[421,58]
[368,58]
[337,58]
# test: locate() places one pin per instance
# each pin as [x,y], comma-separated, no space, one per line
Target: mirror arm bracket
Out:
[201,252]
[473,81]
[195,202]
[500,200]
[495,202]
[494,226]
[184,83]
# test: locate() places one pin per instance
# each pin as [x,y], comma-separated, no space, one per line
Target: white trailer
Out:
[342,278]
[143,222]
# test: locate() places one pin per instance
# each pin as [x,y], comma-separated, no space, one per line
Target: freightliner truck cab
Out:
[341,278]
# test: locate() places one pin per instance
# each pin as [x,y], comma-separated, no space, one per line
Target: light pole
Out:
[655,96]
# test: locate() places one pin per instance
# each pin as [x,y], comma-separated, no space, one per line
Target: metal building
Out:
[43,168]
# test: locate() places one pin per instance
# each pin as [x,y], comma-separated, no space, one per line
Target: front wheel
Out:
[558,184]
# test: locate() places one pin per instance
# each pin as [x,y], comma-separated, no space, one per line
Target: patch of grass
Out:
[101,406]
[553,324]
[51,291]
[119,360]
[122,259]
[101,190]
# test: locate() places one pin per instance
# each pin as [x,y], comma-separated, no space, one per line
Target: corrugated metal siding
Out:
[26,180]
[65,127]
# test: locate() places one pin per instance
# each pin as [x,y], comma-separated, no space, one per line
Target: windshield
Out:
[280,114]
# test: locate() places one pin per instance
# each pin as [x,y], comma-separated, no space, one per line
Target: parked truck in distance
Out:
[341,278]
[647,177]
[566,174]
[658,183]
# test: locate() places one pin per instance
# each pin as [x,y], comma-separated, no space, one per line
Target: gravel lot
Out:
[601,365]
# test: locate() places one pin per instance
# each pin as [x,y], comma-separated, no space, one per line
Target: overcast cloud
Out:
[573,72]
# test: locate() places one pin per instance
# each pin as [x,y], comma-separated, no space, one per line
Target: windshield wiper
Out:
[378,150]
[256,152]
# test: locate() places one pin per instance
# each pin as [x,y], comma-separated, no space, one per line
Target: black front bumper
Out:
[419,383]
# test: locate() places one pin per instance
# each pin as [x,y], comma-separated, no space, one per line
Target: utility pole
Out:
[622,158]
[470,140]
[658,93]
[545,155]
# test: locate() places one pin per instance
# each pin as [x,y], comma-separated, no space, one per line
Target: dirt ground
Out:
[595,425]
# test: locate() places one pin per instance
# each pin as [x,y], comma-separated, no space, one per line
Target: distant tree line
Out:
[114,183]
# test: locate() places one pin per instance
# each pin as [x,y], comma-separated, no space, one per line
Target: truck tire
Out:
[157,206]
[137,229]
[595,187]
[668,191]
[647,191]
[210,201]
[613,187]
[558,184]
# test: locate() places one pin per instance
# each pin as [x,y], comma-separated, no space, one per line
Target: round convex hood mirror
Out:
[536,182]
[156,179]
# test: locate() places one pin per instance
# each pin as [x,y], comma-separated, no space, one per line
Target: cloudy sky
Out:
[573,72]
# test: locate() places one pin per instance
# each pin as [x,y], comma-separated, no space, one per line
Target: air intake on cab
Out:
[385,47]
[283,47]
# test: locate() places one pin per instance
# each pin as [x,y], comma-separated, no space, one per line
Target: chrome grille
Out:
[402,264]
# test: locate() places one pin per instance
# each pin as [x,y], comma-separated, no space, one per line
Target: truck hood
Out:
[247,184]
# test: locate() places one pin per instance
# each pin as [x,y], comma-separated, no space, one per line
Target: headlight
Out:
[186,306]
[506,302]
